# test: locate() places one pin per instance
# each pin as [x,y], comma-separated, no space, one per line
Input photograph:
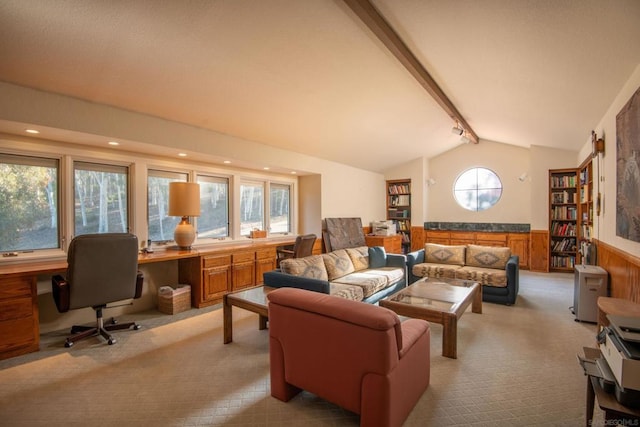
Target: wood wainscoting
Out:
[623,269]
[539,250]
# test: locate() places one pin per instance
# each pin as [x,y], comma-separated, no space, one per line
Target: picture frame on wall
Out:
[628,169]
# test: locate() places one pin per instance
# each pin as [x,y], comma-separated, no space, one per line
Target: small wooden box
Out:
[175,302]
[256,234]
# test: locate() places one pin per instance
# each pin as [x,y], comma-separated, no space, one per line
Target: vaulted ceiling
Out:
[309,76]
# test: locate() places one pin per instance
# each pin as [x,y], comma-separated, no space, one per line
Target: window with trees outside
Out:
[279,217]
[28,203]
[477,189]
[251,207]
[161,225]
[213,221]
[101,198]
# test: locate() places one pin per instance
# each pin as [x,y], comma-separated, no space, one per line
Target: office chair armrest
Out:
[139,281]
[60,289]
[284,252]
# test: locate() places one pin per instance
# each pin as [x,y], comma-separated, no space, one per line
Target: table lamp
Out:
[184,201]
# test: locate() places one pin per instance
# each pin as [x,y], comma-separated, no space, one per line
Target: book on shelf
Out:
[399,188]
[563,181]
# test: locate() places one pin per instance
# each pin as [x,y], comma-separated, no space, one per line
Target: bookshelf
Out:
[585,207]
[399,209]
[563,219]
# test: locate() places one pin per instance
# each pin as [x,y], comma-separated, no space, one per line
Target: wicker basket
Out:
[175,301]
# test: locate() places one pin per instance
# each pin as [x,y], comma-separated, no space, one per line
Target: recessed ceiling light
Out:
[113,143]
[32,131]
[226,162]
[266,168]
[182,154]
[293,172]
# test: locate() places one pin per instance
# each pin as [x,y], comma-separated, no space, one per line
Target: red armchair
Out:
[356,355]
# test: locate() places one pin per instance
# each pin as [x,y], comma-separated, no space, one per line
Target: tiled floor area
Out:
[516,366]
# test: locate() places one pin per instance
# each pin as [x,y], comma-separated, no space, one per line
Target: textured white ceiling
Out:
[307,76]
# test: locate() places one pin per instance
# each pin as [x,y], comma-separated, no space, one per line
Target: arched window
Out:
[477,189]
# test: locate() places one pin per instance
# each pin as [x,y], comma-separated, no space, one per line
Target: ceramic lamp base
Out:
[185,234]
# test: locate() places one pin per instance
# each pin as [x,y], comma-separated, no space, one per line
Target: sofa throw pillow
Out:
[337,264]
[377,257]
[311,266]
[359,257]
[444,254]
[487,256]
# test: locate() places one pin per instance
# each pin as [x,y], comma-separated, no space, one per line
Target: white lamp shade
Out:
[184,199]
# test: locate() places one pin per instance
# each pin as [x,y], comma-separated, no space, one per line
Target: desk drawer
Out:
[266,253]
[16,308]
[243,257]
[13,287]
[216,261]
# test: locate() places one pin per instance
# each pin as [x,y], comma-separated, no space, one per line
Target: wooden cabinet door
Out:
[462,238]
[438,237]
[491,239]
[265,261]
[216,282]
[243,270]
[216,278]
[519,245]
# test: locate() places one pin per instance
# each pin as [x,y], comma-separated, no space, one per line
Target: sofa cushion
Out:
[435,270]
[487,256]
[359,257]
[393,274]
[444,254]
[377,257]
[311,266]
[338,264]
[370,283]
[346,291]
[485,276]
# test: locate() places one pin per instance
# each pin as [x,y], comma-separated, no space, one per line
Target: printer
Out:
[620,346]
[383,228]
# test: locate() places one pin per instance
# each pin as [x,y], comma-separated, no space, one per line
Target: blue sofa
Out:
[363,274]
[494,267]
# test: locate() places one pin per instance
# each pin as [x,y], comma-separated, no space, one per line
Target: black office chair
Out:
[102,269]
[302,247]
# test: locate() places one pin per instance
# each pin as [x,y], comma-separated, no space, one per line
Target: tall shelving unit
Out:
[399,209]
[585,208]
[563,219]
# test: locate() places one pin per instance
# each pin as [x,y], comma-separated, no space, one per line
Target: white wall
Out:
[507,161]
[345,191]
[415,170]
[605,224]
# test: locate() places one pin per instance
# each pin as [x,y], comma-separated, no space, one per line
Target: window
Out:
[251,207]
[28,203]
[477,189]
[214,207]
[279,201]
[161,226]
[101,198]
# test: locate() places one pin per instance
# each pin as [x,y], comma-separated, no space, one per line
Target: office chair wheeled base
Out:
[82,332]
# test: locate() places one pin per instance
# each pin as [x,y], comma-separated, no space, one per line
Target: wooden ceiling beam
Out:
[370,16]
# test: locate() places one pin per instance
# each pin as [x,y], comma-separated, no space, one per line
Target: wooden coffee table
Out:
[441,301]
[252,299]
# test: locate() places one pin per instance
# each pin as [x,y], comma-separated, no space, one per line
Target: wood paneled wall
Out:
[623,269]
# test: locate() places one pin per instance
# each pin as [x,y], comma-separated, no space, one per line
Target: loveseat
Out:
[361,273]
[494,267]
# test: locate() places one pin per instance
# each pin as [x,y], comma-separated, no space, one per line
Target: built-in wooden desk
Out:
[211,271]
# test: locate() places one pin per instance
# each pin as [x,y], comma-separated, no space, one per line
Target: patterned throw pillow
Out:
[311,266]
[444,254]
[487,256]
[337,263]
[359,257]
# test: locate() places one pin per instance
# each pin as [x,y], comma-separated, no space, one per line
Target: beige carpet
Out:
[516,366]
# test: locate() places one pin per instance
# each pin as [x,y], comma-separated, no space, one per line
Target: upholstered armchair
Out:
[356,355]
